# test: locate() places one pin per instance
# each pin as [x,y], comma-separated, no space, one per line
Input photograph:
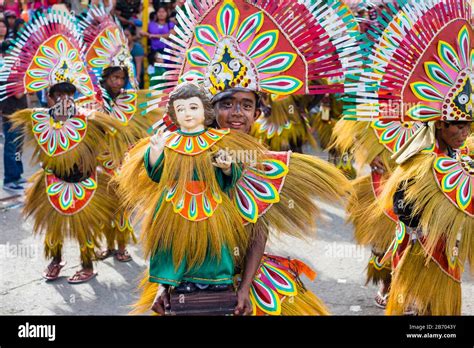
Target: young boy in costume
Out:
[68,197]
[292,172]
[108,58]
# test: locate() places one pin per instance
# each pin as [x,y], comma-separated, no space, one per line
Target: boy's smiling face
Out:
[62,106]
[238,111]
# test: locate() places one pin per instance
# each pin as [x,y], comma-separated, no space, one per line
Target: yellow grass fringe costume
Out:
[64,209]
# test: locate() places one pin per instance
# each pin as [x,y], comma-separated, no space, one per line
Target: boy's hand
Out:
[244,305]
[377,165]
[162,300]
[223,160]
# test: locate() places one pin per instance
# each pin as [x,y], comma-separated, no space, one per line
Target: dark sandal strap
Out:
[123,255]
[54,269]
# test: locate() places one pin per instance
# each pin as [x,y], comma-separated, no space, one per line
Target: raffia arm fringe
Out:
[147,295]
[133,181]
[376,231]
[304,303]
[376,276]
[297,134]
[440,218]
[346,133]
[285,110]
[21,120]
[309,180]
[418,283]
[360,138]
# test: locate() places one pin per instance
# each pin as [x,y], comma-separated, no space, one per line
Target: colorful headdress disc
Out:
[441,85]
[56,61]
[278,47]
[237,51]
[421,68]
[106,44]
[48,51]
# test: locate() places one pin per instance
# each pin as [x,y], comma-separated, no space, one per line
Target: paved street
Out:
[339,262]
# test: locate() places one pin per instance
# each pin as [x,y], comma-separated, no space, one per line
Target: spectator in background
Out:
[10,18]
[126,9]
[137,52]
[13,33]
[177,3]
[159,27]
[3,31]
[154,69]
[14,6]
[3,36]
[13,166]
[34,5]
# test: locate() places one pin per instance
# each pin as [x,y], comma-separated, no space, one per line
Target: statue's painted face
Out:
[189,114]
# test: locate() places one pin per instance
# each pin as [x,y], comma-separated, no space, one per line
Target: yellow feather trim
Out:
[418,283]
[440,218]
[84,226]
[369,228]
[308,181]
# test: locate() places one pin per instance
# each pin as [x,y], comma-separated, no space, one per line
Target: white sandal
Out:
[381,300]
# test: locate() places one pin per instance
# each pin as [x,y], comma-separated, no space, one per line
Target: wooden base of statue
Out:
[203,302]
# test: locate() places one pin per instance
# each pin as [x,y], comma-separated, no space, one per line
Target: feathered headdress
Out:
[421,68]
[278,47]
[106,44]
[49,50]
